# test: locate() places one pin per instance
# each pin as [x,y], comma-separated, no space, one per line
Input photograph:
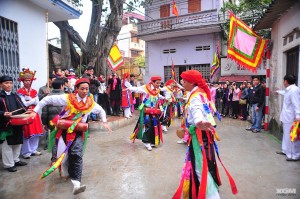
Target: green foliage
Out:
[250,11]
[77,3]
[132,4]
[140,61]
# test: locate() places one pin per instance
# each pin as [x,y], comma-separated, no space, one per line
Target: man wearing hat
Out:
[126,96]
[71,135]
[32,131]
[200,168]
[11,137]
[169,103]
[148,128]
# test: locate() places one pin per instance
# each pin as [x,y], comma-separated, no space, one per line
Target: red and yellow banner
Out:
[244,46]
[115,59]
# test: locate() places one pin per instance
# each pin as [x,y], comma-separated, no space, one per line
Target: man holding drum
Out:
[11,137]
[68,137]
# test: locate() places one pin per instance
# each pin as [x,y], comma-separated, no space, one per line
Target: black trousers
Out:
[103,100]
[244,111]
[149,134]
[235,108]
[75,154]
[166,120]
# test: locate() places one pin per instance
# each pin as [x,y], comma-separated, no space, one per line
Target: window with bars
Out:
[9,49]
[203,68]
[167,51]
[200,48]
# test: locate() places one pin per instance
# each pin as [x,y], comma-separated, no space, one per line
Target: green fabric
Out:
[4,134]
[51,139]
[212,187]
[141,127]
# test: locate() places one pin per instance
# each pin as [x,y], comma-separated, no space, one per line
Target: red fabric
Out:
[33,129]
[174,9]
[169,82]
[127,100]
[204,177]
[32,93]
[195,77]
[82,80]
[154,78]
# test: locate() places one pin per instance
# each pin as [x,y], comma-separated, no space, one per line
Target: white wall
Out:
[124,40]
[281,28]
[32,36]
[185,50]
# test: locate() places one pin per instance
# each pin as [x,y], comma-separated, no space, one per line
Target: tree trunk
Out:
[100,38]
[92,37]
[109,34]
[65,50]
[73,34]
[75,57]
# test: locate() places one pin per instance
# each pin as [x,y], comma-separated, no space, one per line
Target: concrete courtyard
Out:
[115,168]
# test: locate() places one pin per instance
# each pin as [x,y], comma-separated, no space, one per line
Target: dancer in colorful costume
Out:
[71,132]
[169,104]
[148,128]
[33,131]
[200,176]
[127,101]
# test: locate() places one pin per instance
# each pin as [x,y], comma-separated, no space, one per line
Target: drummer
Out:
[10,136]
[76,108]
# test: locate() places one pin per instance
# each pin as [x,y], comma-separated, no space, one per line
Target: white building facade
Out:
[189,40]
[283,17]
[128,42]
[23,34]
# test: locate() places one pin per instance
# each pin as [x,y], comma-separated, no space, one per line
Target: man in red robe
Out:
[31,132]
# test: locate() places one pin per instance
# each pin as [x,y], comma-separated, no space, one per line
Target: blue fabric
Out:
[94,116]
[256,117]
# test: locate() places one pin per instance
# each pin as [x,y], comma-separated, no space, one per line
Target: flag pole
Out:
[47,50]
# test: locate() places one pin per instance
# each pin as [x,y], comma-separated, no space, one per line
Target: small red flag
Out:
[174,9]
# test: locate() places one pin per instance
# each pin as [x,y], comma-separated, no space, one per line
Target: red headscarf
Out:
[154,78]
[195,77]
[170,81]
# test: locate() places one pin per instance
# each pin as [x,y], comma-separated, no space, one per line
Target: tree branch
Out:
[73,34]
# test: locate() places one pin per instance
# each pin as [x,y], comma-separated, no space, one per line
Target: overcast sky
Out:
[81,25]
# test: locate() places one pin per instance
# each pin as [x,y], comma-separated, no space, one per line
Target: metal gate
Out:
[203,68]
[9,50]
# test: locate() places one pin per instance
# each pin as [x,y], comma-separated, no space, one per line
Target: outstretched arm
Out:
[56,100]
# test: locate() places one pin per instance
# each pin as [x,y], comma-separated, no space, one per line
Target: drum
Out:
[152,111]
[20,120]
[65,124]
